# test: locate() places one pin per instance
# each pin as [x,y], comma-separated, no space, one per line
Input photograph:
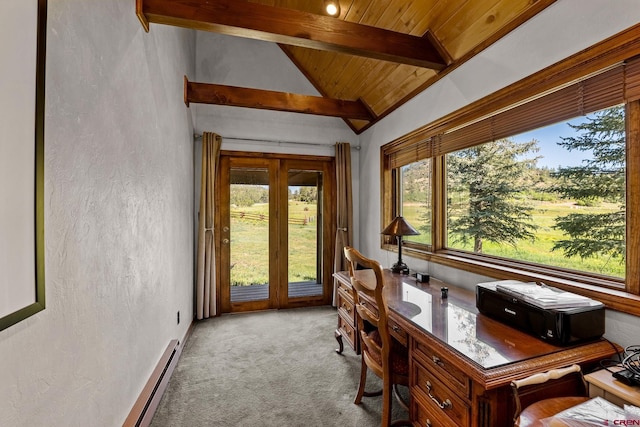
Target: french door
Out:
[276,233]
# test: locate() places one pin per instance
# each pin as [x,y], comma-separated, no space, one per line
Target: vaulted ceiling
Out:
[366,62]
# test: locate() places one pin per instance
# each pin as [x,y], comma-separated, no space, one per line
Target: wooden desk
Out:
[462,362]
[601,383]
[346,329]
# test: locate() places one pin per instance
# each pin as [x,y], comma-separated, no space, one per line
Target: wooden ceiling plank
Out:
[387,83]
[389,18]
[357,11]
[370,85]
[434,15]
[346,75]
[205,93]
[444,11]
[324,70]
[359,74]
[346,8]
[298,28]
[461,20]
[357,125]
[410,17]
[352,79]
[405,85]
[374,12]
[484,26]
[325,65]
[328,72]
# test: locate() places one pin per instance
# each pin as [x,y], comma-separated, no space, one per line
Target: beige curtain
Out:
[206,274]
[344,205]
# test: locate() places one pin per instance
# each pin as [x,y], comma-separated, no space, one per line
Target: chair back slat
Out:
[367,278]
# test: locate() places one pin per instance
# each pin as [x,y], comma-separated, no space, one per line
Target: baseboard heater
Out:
[147,403]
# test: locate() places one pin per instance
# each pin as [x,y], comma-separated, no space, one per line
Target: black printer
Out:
[558,326]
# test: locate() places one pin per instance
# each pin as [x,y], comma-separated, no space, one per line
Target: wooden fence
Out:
[262,217]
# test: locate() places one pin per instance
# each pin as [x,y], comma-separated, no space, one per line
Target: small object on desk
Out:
[422,277]
[627,377]
[444,291]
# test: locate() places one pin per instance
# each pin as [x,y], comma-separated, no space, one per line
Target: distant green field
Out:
[250,245]
[250,250]
[538,251]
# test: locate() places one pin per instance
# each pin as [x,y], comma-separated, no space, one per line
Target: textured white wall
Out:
[561,30]
[118,218]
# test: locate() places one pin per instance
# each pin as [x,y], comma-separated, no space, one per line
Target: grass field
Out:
[250,245]
[538,251]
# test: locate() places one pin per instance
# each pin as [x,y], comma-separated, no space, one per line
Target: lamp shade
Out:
[399,227]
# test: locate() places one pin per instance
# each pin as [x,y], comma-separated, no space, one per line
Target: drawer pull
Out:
[346,307]
[395,328]
[428,423]
[437,361]
[444,405]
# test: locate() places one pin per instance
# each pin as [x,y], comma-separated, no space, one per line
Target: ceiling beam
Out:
[291,27]
[206,93]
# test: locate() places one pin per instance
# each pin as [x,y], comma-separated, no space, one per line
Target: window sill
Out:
[610,292]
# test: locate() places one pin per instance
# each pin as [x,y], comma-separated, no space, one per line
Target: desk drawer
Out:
[440,401]
[397,332]
[365,302]
[424,418]
[440,367]
[348,332]
[346,308]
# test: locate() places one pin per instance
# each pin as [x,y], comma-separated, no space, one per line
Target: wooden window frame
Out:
[616,56]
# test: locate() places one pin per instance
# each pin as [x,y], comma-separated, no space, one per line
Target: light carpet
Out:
[271,368]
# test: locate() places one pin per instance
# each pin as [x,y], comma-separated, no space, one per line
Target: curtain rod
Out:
[197,136]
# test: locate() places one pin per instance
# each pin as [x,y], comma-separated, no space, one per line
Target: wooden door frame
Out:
[277,164]
[226,163]
[327,167]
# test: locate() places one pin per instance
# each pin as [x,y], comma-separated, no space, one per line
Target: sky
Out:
[553,155]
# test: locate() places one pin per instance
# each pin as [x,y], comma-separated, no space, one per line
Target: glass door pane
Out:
[249,234]
[304,229]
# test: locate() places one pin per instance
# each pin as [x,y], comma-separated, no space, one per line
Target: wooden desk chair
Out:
[387,358]
[545,394]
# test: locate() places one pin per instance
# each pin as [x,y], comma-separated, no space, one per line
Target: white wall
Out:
[118,217]
[561,30]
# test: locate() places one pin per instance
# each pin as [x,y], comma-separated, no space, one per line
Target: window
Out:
[553,196]
[415,184]
[538,181]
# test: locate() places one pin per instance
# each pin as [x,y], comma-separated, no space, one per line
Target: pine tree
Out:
[485,184]
[602,177]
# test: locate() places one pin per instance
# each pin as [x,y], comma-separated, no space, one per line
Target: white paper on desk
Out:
[632,413]
[593,412]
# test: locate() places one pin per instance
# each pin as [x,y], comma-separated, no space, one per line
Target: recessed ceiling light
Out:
[332,7]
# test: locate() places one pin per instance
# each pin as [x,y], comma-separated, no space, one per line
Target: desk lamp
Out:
[399,227]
